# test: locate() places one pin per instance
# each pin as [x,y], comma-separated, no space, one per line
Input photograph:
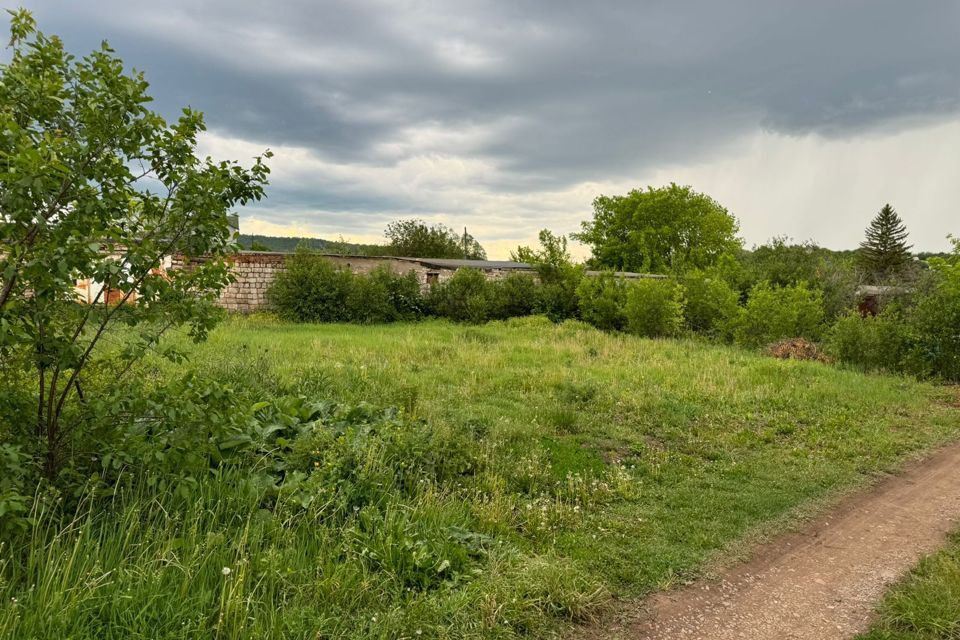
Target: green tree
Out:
[559,276]
[94,185]
[417,239]
[884,253]
[935,321]
[781,263]
[551,260]
[667,230]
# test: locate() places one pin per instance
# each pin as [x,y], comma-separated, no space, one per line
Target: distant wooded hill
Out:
[289,244]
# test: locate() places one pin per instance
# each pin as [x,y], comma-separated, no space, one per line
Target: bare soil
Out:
[821,583]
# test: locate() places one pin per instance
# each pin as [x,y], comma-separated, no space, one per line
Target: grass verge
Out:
[926,604]
[543,470]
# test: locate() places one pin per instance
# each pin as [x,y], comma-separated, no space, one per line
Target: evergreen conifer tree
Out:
[884,253]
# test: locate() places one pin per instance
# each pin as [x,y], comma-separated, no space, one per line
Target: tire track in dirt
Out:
[820,583]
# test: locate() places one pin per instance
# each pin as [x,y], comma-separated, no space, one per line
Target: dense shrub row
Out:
[918,334]
[312,289]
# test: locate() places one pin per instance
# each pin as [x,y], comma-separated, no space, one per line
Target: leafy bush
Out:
[368,301]
[97,187]
[513,296]
[311,289]
[935,321]
[872,343]
[774,313]
[465,297]
[920,334]
[559,277]
[602,301]
[654,308]
[782,263]
[711,306]
[839,280]
[558,299]
[384,296]
[17,470]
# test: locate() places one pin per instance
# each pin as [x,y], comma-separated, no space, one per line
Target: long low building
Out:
[254,272]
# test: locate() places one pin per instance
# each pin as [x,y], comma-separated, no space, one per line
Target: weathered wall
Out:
[255,271]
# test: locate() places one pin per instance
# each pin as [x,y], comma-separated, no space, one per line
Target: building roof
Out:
[630,275]
[880,290]
[452,263]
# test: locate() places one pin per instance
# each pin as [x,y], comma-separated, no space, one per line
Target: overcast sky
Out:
[802,117]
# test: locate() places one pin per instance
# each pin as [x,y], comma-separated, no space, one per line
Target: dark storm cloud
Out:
[588,86]
[554,92]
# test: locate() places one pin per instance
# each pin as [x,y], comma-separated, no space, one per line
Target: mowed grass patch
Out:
[926,604]
[583,465]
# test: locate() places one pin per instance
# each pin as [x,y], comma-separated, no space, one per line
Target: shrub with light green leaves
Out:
[774,313]
[935,321]
[603,300]
[712,305]
[871,343]
[654,308]
[465,297]
[383,296]
[513,296]
[310,289]
[313,289]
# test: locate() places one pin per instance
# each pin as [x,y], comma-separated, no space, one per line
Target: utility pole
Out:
[465,243]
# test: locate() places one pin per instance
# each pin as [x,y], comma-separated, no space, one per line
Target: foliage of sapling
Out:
[711,305]
[17,470]
[465,297]
[96,186]
[602,301]
[404,298]
[559,277]
[774,313]
[383,296]
[654,308]
[513,296]
[782,263]
[935,320]
[311,289]
[872,343]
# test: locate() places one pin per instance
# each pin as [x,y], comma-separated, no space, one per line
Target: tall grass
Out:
[155,565]
[538,470]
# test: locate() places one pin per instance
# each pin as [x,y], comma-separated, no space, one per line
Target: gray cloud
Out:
[554,92]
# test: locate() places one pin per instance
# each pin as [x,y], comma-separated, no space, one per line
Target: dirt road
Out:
[821,583]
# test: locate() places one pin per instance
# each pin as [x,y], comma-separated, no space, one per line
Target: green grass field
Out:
[926,604]
[588,466]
